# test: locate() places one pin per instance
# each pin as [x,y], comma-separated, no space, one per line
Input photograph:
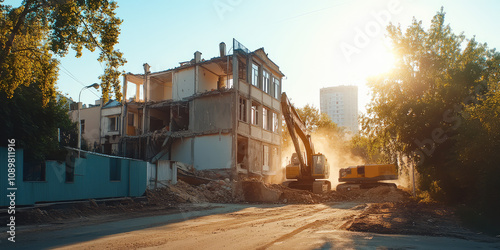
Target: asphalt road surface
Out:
[236,226]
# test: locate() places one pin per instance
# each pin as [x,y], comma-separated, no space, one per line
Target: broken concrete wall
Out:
[183,84]
[159,118]
[160,91]
[203,152]
[183,151]
[212,152]
[255,156]
[211,113]
[207,80]
[162,173]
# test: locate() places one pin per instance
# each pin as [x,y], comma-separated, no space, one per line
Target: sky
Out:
[316,44]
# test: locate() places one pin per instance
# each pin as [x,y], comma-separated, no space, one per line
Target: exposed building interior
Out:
[198,115]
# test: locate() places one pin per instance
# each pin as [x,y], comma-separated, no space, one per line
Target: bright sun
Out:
[376,62]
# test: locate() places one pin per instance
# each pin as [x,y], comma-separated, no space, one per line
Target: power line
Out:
[311,12]
[67,72]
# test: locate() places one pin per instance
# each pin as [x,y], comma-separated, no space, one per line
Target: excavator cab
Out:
[320,167]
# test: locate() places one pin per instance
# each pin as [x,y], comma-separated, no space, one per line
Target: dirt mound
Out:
[254,193]
[295,196]
[412,217]
[376,194]
[383,194]
[216,191]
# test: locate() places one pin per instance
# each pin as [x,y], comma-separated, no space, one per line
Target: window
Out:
[228,81]
[113,123]
[266,82]
[243,110]
[255,114]
[255,75]
[82,126]
[265,152]
[242,70]
[275,123]
[265,115]
[277,92]
[274,158]
[267,119]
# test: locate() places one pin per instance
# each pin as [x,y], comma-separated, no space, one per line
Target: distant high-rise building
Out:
[341,104]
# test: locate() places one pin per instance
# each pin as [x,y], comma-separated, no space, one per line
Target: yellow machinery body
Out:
[306,170]
[368,173]
[320,168]
[367,176]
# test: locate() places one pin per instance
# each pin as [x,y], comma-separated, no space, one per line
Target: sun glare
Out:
[377,62]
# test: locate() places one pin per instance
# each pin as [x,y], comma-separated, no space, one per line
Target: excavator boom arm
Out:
[296,127]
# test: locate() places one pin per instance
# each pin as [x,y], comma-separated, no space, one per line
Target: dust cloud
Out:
[337,152]
[336,149]
[405,176]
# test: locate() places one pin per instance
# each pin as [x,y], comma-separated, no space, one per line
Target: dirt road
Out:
[239,226]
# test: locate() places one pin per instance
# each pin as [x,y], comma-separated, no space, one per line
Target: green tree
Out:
[315,122]
[33,33]
[439,97]
[33,125]
[371,150]
[476,152]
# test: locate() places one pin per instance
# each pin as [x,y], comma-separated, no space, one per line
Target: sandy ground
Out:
[183,217]
[243,226]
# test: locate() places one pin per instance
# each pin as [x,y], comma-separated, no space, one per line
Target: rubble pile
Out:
[217,191]
[173,195]
[225,190]
[215,174]
[295,196]
[334,196]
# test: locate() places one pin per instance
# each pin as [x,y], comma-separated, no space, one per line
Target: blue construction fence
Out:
[90,176]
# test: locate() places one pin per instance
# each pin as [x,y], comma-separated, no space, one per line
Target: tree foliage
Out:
[33,33]
[33,125]
[314,121]
[373,150]
[439,106]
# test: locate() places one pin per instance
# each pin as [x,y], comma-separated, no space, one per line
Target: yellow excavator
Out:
[307,170]
[366,176]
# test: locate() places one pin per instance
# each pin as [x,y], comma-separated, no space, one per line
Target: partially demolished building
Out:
[222,113]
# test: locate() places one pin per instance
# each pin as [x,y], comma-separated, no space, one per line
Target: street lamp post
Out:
[96,86]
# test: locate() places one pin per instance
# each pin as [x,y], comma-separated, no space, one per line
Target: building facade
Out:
[340,103]
[222,113]
[100,126]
